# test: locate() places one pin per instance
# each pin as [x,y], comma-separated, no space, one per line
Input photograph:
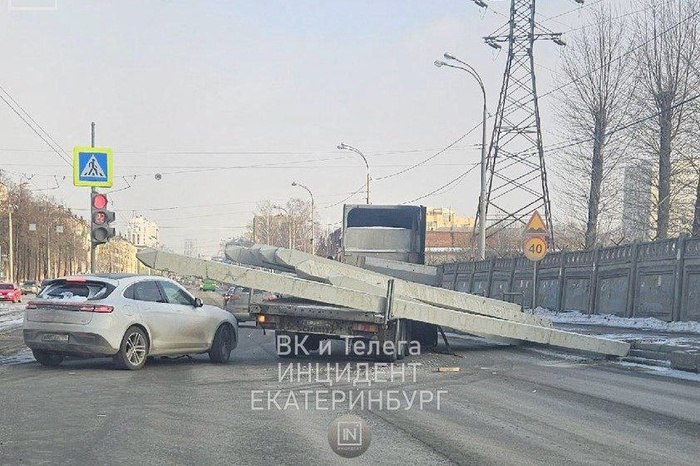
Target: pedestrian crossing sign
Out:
[92,166]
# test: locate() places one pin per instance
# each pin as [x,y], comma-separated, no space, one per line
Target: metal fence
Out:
[659,279]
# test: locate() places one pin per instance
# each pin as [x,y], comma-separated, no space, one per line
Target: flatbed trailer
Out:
[310,323]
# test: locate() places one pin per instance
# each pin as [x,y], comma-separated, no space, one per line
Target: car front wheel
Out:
[222,346]
[47,358]
[133,350]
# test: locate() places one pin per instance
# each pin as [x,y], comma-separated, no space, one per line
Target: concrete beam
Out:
[439,297]
[363,301]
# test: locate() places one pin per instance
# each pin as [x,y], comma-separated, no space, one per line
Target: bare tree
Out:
[287,225]
[596,104]
[668,33]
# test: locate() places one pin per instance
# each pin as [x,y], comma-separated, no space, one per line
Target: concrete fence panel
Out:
[657,279]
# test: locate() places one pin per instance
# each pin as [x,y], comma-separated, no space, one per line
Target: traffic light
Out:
[100,231]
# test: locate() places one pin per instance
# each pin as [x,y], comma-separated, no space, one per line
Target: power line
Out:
[441,151]
[620,57]
[63,157]
[454,180]
[55,145]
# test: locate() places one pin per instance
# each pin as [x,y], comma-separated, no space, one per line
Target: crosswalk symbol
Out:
[92,166]
[93,169]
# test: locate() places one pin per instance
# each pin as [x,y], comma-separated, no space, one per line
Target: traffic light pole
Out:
[92,192]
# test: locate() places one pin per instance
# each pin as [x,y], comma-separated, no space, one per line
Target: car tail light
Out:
[76,279]
[102,309]
[269,297]
[99,308]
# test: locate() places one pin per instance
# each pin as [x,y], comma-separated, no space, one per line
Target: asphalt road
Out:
[507,405]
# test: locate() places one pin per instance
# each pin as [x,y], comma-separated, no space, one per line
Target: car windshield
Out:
[76,291]
[6,286]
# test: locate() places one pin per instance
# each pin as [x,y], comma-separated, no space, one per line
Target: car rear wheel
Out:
[220,351]
[133,350]
[47,358]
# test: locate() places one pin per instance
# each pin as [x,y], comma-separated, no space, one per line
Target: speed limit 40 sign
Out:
[535,248]
[535,244]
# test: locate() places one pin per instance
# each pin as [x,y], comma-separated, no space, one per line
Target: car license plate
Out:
[55,337]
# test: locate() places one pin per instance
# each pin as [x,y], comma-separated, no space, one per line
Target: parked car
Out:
[208,285]
[237,299]
[128,317]
[29,287]
[10,292]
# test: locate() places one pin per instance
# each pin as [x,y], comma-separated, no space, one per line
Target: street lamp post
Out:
[343,146]
[289,224]
[313,228]
[482,195]
[11,252]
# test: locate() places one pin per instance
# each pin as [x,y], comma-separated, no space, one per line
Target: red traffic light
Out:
[99,201]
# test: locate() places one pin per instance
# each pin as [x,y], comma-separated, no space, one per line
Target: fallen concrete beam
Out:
[440,297]
[481,325]
[320,269]
[414,273]
[359,300]
[250,256]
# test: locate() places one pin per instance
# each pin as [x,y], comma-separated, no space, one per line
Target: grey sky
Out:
[255,83]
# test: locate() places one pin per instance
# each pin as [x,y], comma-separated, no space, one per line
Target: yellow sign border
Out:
[76,167]
[535,258]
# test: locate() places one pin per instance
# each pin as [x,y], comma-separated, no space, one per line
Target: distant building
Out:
[441,218]
[637,200]
[640,201]
[143,233]
[117,256]
[448,236]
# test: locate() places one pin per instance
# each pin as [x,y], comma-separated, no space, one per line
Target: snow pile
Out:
[11,320]
[607,320]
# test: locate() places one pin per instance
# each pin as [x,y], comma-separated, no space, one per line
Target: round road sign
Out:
[535,248]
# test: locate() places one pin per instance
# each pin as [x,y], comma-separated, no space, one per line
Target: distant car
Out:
[128,317]
[208,285]
[237,299]
[10,292]
[29,287]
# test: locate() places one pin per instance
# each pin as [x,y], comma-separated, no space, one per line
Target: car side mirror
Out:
[198,302]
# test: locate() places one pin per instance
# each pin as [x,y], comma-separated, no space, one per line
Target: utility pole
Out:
[92,191]
[11,253]
[289,224]
[313,221]
[517,175]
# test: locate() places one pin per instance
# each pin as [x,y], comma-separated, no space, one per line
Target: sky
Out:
[232,101]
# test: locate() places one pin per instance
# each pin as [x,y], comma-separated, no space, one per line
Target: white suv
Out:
[129,317]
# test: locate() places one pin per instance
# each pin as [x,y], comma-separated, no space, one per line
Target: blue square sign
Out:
[92,166]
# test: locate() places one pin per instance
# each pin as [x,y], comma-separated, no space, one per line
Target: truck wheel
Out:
[222,345]
[402,340]
[425,334]
[47,358]
[392,334]
[133,350]
[312,341]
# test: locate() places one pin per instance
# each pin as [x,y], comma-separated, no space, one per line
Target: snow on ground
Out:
[21,357]
[606,320]
[663,371]
[11,316]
